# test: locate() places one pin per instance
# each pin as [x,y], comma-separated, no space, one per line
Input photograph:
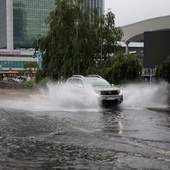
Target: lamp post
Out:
[39,59]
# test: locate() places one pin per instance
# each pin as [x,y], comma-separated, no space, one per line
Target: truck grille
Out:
[115,92]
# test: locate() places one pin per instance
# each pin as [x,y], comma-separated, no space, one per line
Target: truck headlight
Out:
[98,92]
[120,91]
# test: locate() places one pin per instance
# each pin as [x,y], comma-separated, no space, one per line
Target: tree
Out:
[122,68]
[163,71]
[77,36]
[30,65]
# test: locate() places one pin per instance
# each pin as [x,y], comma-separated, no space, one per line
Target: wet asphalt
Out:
[123,137]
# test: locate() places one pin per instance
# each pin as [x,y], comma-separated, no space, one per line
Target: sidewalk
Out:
[16,91]
[160,109]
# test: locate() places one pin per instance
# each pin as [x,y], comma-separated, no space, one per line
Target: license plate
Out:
[110,98]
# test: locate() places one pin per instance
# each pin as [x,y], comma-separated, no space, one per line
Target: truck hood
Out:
[105,88]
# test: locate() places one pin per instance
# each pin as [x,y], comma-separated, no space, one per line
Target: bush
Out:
[30,82]
[123,68]
[163,71]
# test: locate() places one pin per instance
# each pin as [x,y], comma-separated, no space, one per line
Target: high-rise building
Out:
[29,18]
[96,4]
[6,24]
[22,21]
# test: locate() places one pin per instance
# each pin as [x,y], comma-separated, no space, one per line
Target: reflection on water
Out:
[83,140]
[111,121]
[61,139]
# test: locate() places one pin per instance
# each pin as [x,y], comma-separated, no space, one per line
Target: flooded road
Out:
[41,133]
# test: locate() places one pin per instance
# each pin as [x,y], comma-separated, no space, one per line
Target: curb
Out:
[160,109]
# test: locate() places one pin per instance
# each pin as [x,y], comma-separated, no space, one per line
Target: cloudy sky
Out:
[130,11]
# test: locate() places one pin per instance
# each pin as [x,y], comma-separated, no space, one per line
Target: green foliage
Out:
[39,76]
[30,65]
[163,71]
[43,82]
[30,82]
[122,68]
[77,36]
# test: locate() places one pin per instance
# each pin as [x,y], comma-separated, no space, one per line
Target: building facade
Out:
[29,20]
[100,4]
[6,24]
[22,21]
[156,47]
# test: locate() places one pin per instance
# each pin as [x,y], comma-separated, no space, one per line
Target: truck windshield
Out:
[96,82]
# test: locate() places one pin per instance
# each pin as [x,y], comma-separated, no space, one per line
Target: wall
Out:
[156,47]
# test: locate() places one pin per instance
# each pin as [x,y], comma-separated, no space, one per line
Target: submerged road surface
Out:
[35,133]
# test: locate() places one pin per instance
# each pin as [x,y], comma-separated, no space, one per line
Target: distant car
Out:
[148,78]
[107,94]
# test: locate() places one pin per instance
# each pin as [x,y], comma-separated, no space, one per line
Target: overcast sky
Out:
[130,11]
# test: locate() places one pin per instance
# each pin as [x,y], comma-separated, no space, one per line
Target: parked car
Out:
[107,94]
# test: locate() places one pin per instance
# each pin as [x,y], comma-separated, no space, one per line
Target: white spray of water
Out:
[145,95]
[64,97]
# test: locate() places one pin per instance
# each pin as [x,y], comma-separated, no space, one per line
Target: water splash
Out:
[145,95]
[56,97]
[64,97]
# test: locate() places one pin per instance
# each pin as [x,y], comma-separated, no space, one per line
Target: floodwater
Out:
[56,129]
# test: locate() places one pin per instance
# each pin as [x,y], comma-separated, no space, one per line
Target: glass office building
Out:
[6,24]
[96,4]
[22,21]
[29,20]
